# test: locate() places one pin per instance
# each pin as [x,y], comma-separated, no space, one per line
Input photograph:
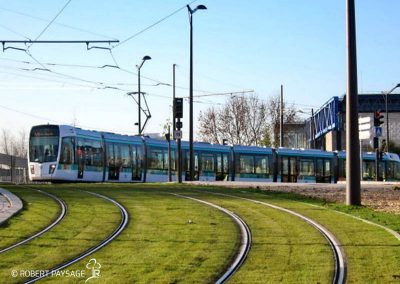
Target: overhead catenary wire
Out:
[55,23]
[49,24]
[152,25]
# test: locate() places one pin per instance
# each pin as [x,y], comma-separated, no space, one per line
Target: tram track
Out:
[60,217]
[103,243]
[246,238]
[338,253]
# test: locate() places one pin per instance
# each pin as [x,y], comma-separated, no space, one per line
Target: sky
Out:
[254,45]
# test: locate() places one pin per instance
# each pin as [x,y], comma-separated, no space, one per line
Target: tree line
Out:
[14,144]
[245,120]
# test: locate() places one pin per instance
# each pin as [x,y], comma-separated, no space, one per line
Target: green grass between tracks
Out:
[160,246]
[38,212]
[373,254]
[284,250]
[88,221]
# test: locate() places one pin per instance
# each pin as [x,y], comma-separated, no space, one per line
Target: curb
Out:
[15,205]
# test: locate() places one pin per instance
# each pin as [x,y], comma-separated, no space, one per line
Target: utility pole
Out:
[353,185]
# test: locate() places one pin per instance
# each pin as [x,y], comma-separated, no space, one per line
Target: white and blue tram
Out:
[67,153]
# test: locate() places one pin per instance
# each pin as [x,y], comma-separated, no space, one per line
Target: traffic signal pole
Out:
[377,125]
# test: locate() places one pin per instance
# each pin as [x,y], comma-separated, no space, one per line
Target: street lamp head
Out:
[398,85]
[199,7]
[146,58]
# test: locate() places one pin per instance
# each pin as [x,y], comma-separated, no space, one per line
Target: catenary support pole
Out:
[353,188]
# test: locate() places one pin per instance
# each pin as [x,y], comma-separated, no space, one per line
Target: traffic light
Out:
[378,118]
[178,108]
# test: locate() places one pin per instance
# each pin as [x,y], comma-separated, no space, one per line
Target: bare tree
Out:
[209,126]
[11,145]
[245,121]
[6,142]
[21,142]
[241,121]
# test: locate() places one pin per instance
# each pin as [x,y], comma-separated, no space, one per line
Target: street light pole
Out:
[140,94]
[191,158]
[387,116]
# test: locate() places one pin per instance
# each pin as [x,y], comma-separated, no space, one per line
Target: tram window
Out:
[306,167]
[165,165]
[118,155]
[285,166]
[156,159]
[342,168]
[88,152]
[125,157]
[134,155]
[97,151]
[43,144]
[246,164]
[382,171]
[173,160]
[328,168]
[261,165]
[320,167]
[219,163]
[396,168]
[225,163]
[368,170]
[207,162]
[110,155]
[67,151]
[80,151]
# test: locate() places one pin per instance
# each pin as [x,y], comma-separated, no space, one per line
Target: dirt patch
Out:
[378,196]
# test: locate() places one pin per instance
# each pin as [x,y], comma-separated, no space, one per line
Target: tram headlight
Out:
[52,168]
[32,169]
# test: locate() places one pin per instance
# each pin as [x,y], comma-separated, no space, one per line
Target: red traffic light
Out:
[378,118]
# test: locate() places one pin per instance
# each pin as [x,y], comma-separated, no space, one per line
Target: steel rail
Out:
[338,253]
[245,238]
[60,217]
[106,241]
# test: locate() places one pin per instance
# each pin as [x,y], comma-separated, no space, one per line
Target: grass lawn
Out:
[285,249]
[88,221]
[160,245]
[373,255]
[38,212]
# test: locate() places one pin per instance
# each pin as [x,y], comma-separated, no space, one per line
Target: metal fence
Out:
[13,169]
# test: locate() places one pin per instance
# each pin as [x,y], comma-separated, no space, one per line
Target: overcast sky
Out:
[238,46]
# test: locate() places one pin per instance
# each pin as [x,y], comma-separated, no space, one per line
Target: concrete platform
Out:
[10,204]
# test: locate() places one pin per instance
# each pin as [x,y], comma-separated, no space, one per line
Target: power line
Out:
[152,25]
[49,24]
[13,31]
[55,23]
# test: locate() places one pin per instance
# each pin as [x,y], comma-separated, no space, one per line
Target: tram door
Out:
[222,167]
[81,158]
[113,158]
[196,165]
[288,169]
[323,171]
[136,163]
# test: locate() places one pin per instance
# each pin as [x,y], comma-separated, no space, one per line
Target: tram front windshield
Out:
[43,144]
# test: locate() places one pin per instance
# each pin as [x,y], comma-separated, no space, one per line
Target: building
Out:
[326,129]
